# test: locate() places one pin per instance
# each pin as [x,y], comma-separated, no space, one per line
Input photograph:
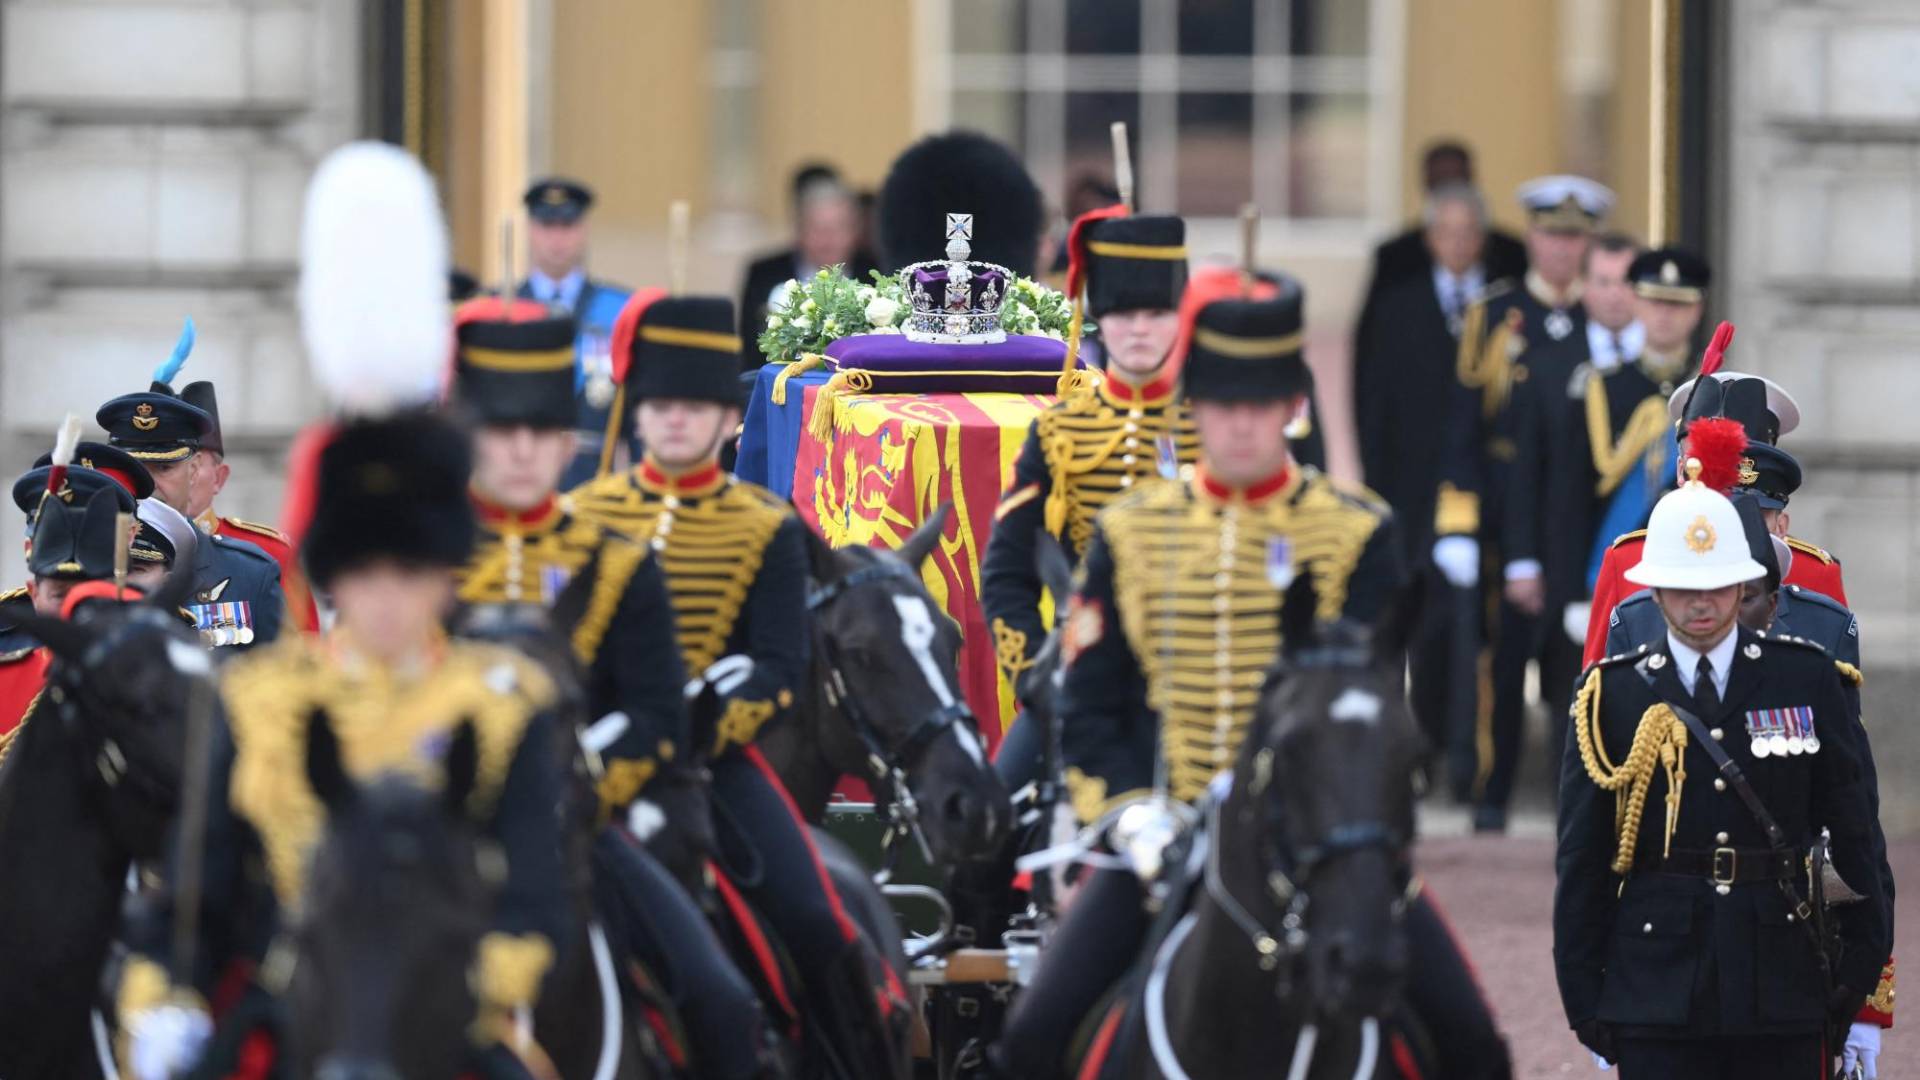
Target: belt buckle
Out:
[1726,865]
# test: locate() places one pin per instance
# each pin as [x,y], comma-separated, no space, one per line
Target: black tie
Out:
[1706,700]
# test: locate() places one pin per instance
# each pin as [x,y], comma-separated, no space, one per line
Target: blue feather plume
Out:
[166,372]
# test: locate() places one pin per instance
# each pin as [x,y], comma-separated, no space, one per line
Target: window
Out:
[1291,104]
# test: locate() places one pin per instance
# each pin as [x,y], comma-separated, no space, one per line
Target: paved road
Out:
[1498,891]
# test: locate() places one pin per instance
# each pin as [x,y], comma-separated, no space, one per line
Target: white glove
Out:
[725,675]
[1862,1050]
[1458,558]
[1574,621]
[166,1040]
[1600,1063]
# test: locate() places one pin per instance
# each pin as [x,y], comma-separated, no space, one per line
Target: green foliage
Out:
[829,305]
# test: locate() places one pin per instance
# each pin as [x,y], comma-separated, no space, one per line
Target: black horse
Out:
[396,903]
[882,702]
[1304,881]
[90,784]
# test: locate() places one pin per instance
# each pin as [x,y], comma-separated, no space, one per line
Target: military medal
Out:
[1559,324]
[596,356]
[1166,456]
[1280,562]
[1760,725]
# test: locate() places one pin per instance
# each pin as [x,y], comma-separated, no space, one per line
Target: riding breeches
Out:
[1021,754]
[1094,947]
[673,939]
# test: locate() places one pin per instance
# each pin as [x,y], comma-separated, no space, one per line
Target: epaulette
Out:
[1614,661]
[1801,594]
[267,531]
[1637,534]
[1809,549]
[15,593]
[242,547]
[1852,675]
[1359,494]
[1792,639]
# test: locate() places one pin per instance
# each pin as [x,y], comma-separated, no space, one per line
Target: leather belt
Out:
[1722,865]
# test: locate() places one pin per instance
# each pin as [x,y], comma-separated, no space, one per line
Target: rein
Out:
[887,762]
[107,758]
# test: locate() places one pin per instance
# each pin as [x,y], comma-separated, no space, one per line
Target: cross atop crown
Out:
[959,237]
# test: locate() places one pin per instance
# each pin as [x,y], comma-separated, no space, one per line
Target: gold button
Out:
[671,502]
[659,543]
[1131,428]
[1135,414]
[1221,581]
[1126,459]
[1126,481]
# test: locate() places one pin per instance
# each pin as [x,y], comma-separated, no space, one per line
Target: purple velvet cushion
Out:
[1023,364]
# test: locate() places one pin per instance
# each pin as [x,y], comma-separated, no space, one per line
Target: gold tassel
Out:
[1660,740]
[613,429]
[1612,460]
[847,381]
[1850,673]
[805,363]
[1067,380]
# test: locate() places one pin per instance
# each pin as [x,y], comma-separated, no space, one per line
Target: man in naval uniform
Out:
[1517,332]
[1686,937]
[237,601]
[557,246]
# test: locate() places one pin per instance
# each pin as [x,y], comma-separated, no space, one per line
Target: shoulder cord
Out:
[1661,738]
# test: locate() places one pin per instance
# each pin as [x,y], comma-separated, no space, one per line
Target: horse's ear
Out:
[326,773]
[174,590]
[64,639]
[1399,623]
[1299,615]
[922,542]
[462,765]
[822,566]
[1055,568]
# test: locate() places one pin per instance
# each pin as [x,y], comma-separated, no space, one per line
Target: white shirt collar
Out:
[1470,283]
[566,290]
[1686,660]
[1600,344]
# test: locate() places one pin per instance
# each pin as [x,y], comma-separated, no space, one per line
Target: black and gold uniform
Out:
[735,560]
[1171,634]
[1177,621]
[609,604]
[1518,337]
[607,593]
[1095,443]
[391,489]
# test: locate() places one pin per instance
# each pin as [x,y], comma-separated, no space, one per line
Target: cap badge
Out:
[1700,536]
[143,418]
[1753,650]
[1669,273]
[555,196]
[1749,475]
[1657,661]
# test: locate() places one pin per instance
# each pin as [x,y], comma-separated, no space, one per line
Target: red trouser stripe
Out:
[848,929]
[1096,1058]
[749,925]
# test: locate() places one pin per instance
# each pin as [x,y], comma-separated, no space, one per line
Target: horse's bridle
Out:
[1284,865]
[887,762]
[102,750]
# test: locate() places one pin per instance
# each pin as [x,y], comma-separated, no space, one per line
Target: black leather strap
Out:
[1722,866]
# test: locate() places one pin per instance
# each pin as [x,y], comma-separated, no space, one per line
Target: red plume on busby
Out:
[1077,244]
[1717,443]
[1207,285]
[1716,353]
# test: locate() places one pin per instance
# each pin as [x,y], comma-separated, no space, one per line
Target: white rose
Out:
[775,322]
[802,323]
[882,311]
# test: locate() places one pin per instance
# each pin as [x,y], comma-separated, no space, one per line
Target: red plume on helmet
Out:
[1718,444]
[1077,244]
[1716,353]
[626,327]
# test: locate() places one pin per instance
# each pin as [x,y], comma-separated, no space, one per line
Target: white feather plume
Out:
[66,440]
[373,280]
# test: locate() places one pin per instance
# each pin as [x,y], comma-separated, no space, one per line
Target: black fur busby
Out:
[1134,263]
[78,541]
[1247,347]
[685,347]
[962,172]
[394,487]
[1739,399]
[517,372]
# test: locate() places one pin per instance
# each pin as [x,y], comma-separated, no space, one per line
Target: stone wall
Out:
[1820,268]
[153,158]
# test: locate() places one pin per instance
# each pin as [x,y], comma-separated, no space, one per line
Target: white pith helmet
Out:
[1694,541]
